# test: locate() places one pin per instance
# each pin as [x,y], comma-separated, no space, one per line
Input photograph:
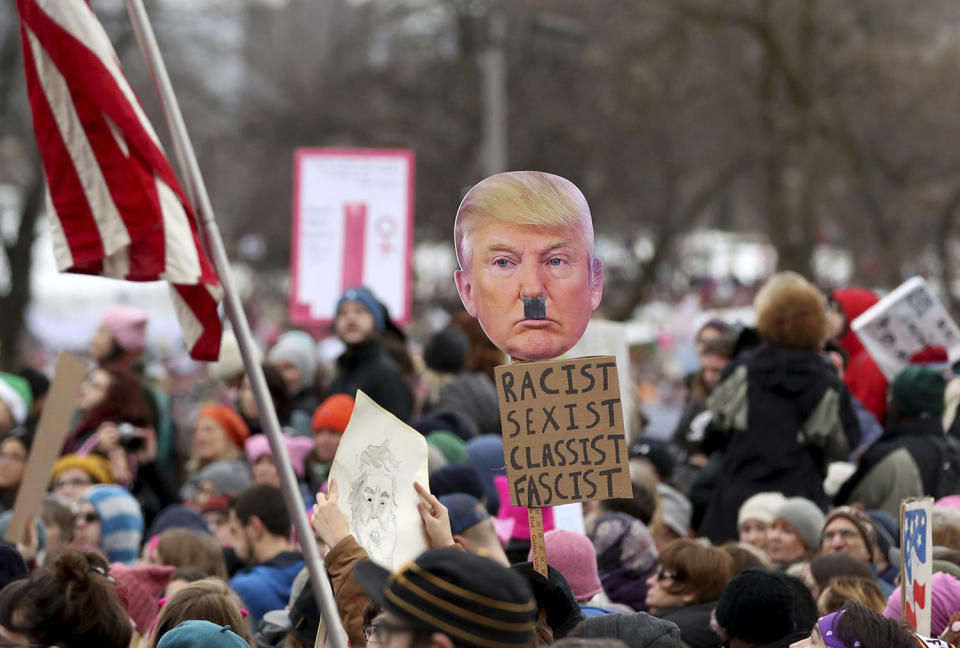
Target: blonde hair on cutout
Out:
[522,198]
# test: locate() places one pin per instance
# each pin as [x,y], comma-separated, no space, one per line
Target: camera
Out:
[129,439]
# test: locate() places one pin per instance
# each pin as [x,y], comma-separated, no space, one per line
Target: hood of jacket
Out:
[854,302]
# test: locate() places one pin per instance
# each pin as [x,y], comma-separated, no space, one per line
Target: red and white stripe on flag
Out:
[116,208]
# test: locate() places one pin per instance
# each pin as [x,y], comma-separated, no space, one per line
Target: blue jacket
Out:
[267,586]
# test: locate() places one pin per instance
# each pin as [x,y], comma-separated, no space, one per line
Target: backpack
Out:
[948,478]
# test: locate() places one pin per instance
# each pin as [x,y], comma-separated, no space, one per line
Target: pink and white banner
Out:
[352,225]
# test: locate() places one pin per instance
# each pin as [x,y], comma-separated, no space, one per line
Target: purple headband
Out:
[827,626]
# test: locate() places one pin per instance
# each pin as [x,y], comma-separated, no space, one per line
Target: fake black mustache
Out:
[534,308]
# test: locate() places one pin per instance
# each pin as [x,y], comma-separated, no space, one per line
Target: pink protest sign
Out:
[352,225]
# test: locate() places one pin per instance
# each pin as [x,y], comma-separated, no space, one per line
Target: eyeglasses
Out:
[14,644]
[381,631]
[63,483]
[663,574]
[12,456]
[846,534]
[89,517]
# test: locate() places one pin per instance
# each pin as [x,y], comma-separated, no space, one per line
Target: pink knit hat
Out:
[128,326]
[952,501]
[944,601]
[139,588]
[573,555]
[521,527]
[297,449]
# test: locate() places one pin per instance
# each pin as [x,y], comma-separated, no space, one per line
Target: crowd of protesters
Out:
[770,517]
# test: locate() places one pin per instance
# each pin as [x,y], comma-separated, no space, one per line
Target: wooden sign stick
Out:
[538,547]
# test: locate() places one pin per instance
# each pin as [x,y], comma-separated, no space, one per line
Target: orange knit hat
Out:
[229,420]
[333,413]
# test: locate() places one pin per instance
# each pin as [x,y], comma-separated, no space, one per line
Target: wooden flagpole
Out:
[197,191]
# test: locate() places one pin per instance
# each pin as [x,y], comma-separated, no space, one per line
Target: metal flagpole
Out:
[268,416]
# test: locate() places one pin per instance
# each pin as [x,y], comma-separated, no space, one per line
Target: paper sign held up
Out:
[563,435]
[904,322]
[377,461]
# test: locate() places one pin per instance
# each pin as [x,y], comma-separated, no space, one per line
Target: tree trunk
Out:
[13,305]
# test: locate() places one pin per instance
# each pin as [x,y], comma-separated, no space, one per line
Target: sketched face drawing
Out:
[373,519]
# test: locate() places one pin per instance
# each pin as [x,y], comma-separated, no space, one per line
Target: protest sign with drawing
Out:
[916,562]
[907,320]
[377,461]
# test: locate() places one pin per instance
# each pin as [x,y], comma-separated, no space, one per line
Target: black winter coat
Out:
[368,367]
[780,415]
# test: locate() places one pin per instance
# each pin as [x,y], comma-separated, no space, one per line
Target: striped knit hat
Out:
[121,522]
[473,600]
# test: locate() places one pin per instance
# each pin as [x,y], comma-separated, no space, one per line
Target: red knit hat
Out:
[930,355]
[333,413]
[229,420]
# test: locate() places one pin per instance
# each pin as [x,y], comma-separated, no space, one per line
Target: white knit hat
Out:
[762,506]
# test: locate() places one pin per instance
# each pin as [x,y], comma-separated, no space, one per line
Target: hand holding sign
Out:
[329,523]
[436,518]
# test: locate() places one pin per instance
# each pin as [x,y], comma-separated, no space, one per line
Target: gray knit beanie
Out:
[806,517]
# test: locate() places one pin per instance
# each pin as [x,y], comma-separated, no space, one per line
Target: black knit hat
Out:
[756,606]
[553,594]
[473,600]
[446,350]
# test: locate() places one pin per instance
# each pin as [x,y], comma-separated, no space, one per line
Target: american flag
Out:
[115,206]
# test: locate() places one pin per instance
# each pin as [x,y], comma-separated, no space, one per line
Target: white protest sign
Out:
[904,322]
[352,225]
[604,337]
[377,461]
[916,562]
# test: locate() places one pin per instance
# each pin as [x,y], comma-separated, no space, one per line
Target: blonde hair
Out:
[791,312]
[844,588]
[209,600]
[522,198]
[180,547]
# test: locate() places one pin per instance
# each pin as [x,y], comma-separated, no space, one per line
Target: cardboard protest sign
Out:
[563,436]
[904,322]
[916,562]
[377,461]
[51,431]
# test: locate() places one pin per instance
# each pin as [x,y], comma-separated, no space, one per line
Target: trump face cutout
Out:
[525,246]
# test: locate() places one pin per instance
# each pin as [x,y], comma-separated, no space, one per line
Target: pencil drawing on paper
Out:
[373,519]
